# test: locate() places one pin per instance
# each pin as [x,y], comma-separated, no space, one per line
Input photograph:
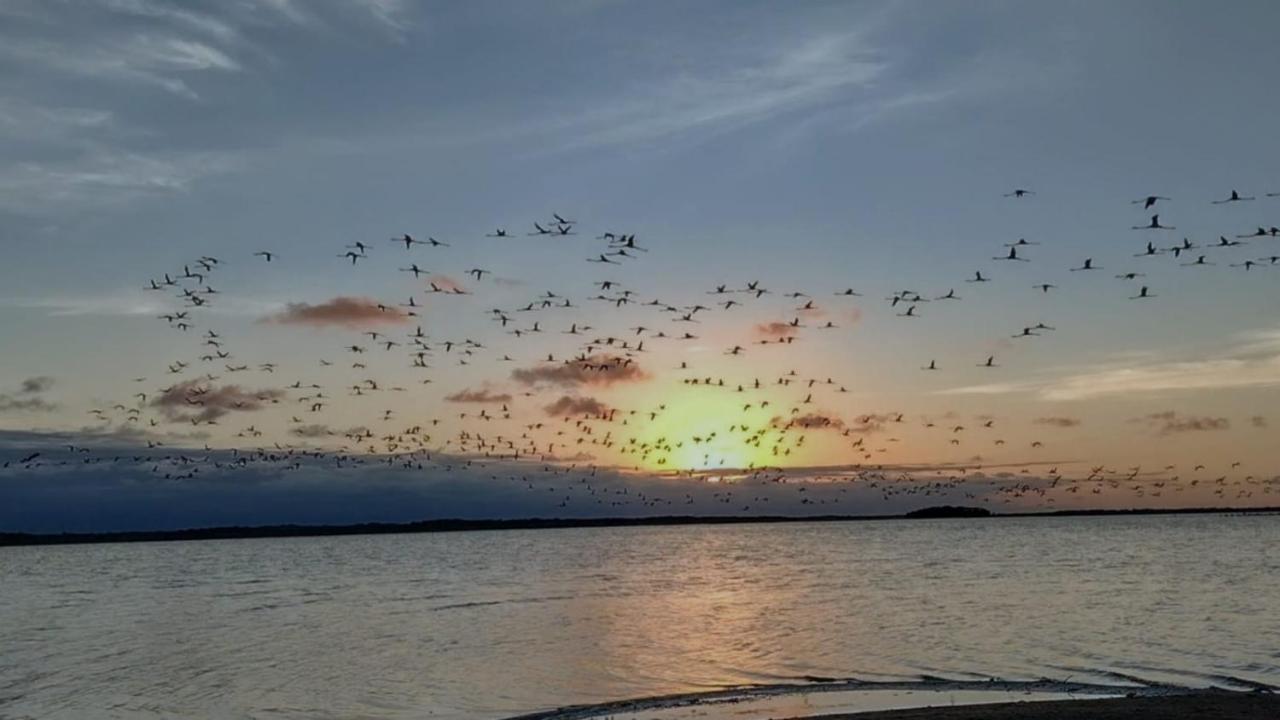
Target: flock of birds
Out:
[564,441]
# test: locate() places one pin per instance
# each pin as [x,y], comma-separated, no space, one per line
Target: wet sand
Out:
[1199,706]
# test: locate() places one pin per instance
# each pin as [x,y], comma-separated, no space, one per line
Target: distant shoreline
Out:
[11,539]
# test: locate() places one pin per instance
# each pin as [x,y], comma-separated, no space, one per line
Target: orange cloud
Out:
[776,330]
[595,370]
[351,312]
[444,283]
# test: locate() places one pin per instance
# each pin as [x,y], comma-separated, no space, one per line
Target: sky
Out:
[805,148]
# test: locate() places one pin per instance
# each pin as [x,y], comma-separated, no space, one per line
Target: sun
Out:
[706,431]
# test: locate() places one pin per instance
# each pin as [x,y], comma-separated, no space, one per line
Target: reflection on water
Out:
[486,624]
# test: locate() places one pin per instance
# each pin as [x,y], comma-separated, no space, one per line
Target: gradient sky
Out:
[810,147]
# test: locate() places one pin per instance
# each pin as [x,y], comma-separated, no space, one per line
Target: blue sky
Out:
[812,146]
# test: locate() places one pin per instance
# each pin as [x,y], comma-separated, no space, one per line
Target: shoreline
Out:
[15,539]
[856,699]
[1204,705]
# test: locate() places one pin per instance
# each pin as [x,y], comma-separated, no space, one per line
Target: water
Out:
[491,624]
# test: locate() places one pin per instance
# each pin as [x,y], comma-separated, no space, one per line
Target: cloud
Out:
[135,59]
[27,397]
[1170,423]
[1252,361]
[569,405]
[1060,422]
[99,177]
[8,403]
[314,430]
[873,423]
[988,389]
[446,283]
[483,395]
[349,312]
[595,370]
[127,489]
[1167,377]
[809,421]
[192,401]
[776,330]
[730,94]
[37,384]
[154,59]
[131,303]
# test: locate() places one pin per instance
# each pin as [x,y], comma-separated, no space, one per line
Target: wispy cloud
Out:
[65,155]
[731,94]
[133,304]
[1252,361]
[1167,377]
[101,177]
[147,59]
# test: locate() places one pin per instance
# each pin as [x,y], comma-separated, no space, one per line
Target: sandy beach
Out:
[1204,706]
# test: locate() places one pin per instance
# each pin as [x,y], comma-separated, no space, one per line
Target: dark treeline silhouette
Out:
[461,525]
[948,511]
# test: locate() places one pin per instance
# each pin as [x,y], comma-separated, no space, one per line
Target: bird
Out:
[408,241]
[1149,201]
[1154,225]
[265,255]
[1234,197]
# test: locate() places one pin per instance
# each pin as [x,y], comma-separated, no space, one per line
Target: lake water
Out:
[493,624]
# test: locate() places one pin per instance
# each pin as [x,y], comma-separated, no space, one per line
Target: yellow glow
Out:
[704,430]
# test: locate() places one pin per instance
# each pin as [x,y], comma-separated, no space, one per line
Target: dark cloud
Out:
[483,395]
[36,384]
[595,370]
[569,405]
[9,403]
[350,312]
[314,430]
[1170,423]
[120,484]
[193,401]
[1059,422]
[27,397]
[810,421]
